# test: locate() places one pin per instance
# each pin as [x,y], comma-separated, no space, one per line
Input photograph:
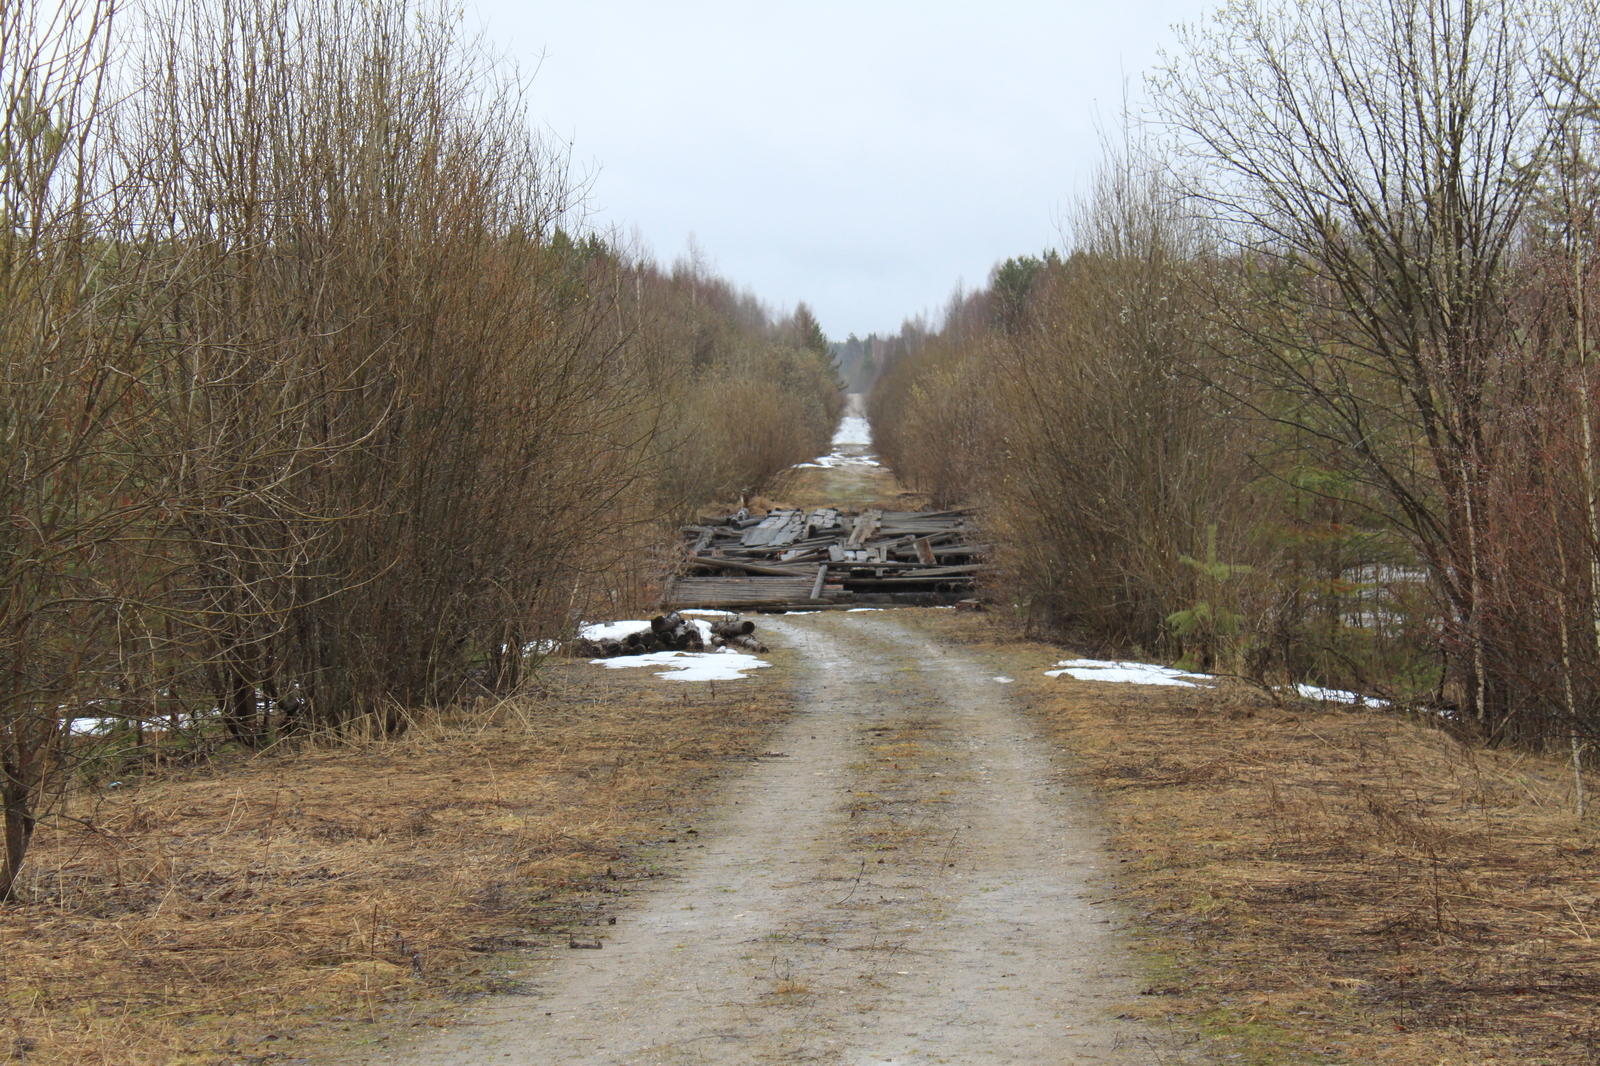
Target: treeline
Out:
[1309,394]
[319,404]
[858,359]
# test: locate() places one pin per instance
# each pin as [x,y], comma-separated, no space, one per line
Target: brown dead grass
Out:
[262,907]
[851,488]
[1321,885]
[1310,885]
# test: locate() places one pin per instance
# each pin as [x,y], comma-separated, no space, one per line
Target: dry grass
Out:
[263,907]
[1325,885]
[1310,885]
[851,488]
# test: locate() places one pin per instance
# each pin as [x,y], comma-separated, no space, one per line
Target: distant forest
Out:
[858,360]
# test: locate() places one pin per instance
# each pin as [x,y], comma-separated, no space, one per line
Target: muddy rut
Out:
[911,881]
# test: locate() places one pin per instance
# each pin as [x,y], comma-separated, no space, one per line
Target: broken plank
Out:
[748,568]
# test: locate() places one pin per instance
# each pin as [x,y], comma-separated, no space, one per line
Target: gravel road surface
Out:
[913,880]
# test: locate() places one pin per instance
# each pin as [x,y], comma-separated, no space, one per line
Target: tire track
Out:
[909,885]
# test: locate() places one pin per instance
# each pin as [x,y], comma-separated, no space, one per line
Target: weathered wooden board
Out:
[787,556]
[740,591]
[778,529]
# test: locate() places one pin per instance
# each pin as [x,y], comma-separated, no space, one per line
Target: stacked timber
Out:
[824,556]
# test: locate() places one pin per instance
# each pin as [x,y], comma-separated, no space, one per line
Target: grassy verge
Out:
[263,907]
[1324,885]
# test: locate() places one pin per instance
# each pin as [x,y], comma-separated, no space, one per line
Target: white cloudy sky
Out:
[862,156]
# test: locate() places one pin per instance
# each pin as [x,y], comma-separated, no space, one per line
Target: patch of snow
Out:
[802,612]
[837,461]
[853,610]
[706,612]
[723,665]
[620,630]
[611,630]
[1334,695]
[1125,673]
[853,429]
[1005,680]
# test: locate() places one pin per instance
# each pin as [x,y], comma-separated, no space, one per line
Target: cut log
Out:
[677,633]
[748,643]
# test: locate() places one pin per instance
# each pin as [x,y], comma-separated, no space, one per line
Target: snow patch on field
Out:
[723,665]
[612,630]
[1151,674]
[598,631]
[1334,695]
[1126,673]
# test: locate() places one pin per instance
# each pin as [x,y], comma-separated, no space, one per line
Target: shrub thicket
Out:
[1309,394]
[314,409]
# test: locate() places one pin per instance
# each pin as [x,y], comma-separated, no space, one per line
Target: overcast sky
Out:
[864,157]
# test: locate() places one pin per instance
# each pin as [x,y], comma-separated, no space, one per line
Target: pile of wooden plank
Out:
[825,556]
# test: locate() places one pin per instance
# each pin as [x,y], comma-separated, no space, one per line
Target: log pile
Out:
[826,556]
[673,632]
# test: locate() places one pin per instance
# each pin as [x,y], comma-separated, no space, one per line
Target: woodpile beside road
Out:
[812,559]
[673,632]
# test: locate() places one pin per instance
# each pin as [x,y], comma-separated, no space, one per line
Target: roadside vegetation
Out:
[321,404]
[1314,883]
[1307,395]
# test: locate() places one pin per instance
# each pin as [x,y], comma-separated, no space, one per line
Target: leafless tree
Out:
[1376,161]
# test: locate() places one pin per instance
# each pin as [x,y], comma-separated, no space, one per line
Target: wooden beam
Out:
[816,586]
[749,568]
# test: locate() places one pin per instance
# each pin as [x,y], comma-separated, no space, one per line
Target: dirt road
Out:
[912,880]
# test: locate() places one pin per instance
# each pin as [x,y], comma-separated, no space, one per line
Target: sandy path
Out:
[910,883]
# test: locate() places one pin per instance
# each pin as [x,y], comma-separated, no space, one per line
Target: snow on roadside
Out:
[837,461]
[1335,695]
[1151,674]
[723,665]
[1126,673]
[598,631]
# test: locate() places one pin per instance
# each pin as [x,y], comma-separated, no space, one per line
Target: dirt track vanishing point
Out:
[907,878]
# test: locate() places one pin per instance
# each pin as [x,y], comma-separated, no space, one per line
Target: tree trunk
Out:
[16,796]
